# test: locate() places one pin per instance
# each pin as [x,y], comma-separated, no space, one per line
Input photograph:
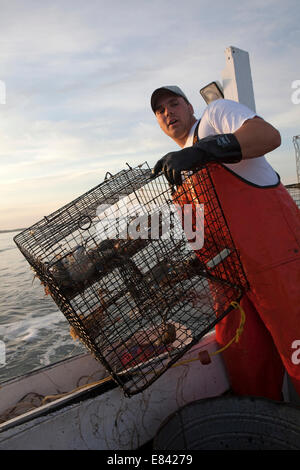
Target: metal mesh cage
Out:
[294,190]
[139,275]
[296,142]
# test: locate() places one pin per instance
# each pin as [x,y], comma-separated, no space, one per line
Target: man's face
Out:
[175,117]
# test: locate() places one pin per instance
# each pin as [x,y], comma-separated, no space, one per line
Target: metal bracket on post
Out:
[237,80]
[296,142]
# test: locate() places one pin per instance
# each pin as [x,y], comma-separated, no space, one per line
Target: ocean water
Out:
[33,331]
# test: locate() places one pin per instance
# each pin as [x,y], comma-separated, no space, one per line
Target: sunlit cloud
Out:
[79,76]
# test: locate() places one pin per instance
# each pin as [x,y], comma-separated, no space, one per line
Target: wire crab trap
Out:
[133,273]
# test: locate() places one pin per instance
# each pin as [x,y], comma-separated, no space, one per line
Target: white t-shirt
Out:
[224,117]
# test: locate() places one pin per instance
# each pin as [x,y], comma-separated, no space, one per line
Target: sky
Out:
[76,79]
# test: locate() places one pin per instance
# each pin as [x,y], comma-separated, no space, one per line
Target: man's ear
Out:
[191,108]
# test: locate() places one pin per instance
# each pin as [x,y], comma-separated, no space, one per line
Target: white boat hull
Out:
[110,420]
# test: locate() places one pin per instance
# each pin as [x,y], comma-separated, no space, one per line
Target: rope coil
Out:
[49,398]
[238,332]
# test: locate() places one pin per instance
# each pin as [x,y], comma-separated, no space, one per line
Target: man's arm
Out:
[254,138]
[257,137]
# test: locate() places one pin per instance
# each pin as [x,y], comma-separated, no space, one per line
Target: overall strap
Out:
[196,137]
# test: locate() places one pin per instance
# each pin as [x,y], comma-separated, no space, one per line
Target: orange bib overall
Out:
[264,223]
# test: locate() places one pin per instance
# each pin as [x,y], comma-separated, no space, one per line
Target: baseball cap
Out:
[158,92]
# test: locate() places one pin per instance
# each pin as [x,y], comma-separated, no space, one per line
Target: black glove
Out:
[222,148]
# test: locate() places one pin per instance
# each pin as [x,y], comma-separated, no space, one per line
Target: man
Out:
[263,221]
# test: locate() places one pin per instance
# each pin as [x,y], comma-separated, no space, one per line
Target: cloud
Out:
[79,76]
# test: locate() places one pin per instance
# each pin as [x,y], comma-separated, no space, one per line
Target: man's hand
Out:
[173,163]
[223,148]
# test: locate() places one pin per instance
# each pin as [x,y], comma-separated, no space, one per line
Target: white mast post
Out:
[236,77]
